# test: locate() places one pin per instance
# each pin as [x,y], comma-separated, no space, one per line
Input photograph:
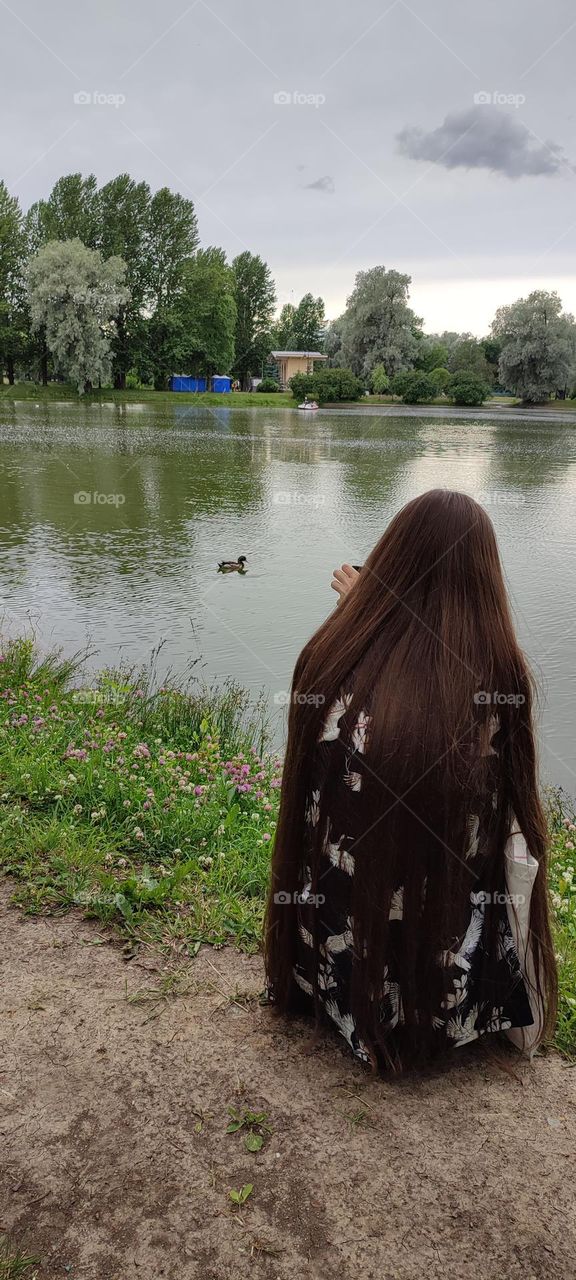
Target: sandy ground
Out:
[116,1165]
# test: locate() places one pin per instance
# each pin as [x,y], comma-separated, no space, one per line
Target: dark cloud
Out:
[322,184]
[484,137]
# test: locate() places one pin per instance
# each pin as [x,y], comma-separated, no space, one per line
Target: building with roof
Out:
[284,364]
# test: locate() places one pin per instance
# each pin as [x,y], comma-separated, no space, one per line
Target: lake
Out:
[114,519]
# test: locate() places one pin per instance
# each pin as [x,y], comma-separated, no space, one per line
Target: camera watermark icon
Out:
[296,99]
[500,498]
[95,99]
[297,498]
[500,897]
[496,699]
[497,99]
[283,699]
[83,499]
[285,899]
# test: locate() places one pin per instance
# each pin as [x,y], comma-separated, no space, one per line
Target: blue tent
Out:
[187,384]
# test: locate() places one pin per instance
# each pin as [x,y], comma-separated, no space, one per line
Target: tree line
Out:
[109,285]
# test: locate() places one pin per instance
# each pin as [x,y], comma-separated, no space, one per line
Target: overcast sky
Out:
[386,151]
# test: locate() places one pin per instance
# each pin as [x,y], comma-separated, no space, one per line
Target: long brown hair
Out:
[425,644]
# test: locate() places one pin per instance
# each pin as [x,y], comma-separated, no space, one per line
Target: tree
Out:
[379,380]
[255,302]
[74,296]
[467,387]
[170,243]
[467,355]
[309,324]
[208,313]
[69,213]
[283,337]
[538,346]
[432,354]
[123,209]
[379,326]
[333,342]
[492,348]
[400,382]
[13,316]
[161,347]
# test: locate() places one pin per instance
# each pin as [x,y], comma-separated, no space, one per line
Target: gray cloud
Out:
[379,66]
[322,184]
[483,137]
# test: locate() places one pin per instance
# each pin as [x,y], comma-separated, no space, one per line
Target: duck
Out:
[232,566]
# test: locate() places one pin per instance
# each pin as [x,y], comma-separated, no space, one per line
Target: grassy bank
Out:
[59,391]
[155,809]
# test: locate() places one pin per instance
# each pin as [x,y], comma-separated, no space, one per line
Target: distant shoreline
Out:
[61,393]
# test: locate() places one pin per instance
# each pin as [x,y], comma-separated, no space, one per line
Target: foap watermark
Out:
[100,697]
[500,897]
[496,98]
[96,99]
[500,498]
[297,498]
[297,99]
[83,898]
[284,698]
[285,899]
[84,499]
[496,699]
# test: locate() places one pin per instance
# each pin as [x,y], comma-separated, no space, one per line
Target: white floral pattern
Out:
[326,952]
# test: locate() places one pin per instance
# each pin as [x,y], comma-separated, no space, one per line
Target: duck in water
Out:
[232,566]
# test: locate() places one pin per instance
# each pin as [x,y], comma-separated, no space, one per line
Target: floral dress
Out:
[463,1015]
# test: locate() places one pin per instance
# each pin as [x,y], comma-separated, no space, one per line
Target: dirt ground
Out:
[116,1164]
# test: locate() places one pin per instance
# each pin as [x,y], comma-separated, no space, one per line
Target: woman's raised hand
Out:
[343,580]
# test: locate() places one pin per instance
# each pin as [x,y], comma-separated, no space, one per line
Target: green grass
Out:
[150,808]
[58,391]
[14,1263]
[154,809]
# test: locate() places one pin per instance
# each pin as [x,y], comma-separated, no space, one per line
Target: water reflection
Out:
[180,488]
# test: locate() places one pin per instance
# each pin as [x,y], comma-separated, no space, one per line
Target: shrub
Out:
[401,382]
[420,388]
[268,385]
[379,380]
[413,386]
[468,388]
[441,378]
[326,385]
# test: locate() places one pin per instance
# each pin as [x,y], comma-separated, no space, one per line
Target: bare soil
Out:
[116,1164]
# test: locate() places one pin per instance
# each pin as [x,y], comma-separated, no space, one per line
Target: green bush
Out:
[414,387]
[401,382]
[326,385]
[268,385]
[379,380]
[420,389]
[441,378]
[468,388]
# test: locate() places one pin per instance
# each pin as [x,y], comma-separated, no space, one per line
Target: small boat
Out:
[309,404]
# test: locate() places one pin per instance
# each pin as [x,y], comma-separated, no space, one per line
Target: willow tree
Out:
[74,297]
[538,346]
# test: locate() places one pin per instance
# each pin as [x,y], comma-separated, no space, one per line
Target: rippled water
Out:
[182,488]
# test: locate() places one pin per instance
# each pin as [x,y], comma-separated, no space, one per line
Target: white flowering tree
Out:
[538,339]
[75,295]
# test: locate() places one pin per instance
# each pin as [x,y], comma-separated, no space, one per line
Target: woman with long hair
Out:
[408,896]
